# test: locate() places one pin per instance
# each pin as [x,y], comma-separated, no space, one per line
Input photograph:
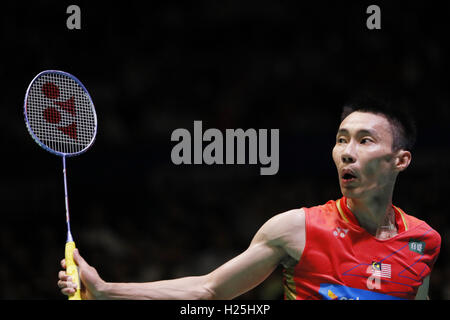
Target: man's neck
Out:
[375,215]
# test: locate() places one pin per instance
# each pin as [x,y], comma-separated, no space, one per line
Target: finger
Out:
[68,291]
[62,275]
[66,284]
[79,259]
[63,263]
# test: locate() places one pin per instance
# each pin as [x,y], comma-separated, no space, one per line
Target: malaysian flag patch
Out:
[381,270]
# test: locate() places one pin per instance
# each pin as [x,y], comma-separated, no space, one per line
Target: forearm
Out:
[230,280]
[188,288]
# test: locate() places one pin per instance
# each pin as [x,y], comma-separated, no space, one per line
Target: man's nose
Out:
[348,156]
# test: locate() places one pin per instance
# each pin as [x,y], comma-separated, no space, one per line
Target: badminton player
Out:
[357,247]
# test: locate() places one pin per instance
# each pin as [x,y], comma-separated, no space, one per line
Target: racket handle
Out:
[72,269]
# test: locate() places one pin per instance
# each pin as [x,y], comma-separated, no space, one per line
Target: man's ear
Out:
[402,160]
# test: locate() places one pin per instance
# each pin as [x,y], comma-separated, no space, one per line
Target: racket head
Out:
[60,114]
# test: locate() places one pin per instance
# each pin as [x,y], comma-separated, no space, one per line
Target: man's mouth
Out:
[348,176]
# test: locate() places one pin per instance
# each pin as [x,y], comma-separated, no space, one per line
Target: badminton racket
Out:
[60,117]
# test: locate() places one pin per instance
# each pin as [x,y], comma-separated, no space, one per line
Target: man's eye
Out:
[341,140]
[365,140]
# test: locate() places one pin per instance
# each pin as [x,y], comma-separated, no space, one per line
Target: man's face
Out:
[363,155]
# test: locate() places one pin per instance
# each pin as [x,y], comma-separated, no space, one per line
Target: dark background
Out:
[157,67]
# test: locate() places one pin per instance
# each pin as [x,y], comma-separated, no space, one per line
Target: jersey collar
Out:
[348,216]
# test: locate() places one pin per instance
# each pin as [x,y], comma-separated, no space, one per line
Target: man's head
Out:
[373,145]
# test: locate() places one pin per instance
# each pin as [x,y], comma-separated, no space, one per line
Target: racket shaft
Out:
[72,269]
[66,201]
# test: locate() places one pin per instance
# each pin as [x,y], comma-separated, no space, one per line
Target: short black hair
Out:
[403,125]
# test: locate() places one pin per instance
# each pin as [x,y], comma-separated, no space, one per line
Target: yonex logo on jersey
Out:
[416,246]
[340,232]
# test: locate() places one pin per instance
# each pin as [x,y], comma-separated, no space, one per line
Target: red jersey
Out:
[341,260]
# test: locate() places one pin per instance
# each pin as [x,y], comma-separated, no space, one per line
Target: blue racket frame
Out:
[30,130]
[61,154]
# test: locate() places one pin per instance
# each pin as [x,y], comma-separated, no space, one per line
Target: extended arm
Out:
[228,281]
[279,239]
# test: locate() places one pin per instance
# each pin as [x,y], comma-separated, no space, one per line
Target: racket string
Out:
[60,113]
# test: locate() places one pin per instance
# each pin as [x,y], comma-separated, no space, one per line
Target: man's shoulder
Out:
[422,229]
[291,219]
[330,205]
[327,211]
[286,230]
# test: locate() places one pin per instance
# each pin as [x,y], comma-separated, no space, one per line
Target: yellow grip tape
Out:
[72,269]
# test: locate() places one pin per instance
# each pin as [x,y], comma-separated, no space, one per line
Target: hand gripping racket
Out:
[60,117]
